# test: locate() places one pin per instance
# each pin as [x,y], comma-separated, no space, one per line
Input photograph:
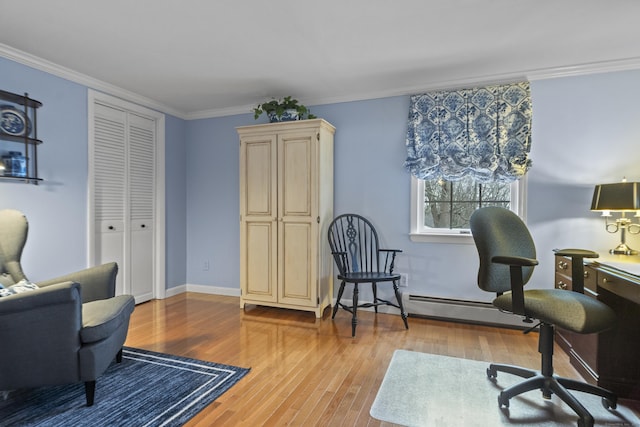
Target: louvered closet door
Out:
[141,197]
[110,172]
[124,182]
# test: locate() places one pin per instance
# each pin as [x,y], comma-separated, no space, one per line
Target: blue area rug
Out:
[146,389]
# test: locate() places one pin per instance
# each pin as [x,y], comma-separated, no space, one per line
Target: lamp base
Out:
[623,249]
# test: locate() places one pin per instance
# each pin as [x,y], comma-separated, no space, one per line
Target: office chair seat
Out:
[569,310]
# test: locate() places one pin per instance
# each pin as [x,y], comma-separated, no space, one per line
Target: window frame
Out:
[419,233]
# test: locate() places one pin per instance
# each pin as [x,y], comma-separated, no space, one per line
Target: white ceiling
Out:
[202,58]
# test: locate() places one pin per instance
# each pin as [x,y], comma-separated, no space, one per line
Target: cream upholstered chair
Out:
[67,330]
[507,258]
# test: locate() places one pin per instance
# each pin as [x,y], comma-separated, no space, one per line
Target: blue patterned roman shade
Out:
[483,132]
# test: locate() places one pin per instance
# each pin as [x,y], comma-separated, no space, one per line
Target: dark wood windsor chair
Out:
[355,249]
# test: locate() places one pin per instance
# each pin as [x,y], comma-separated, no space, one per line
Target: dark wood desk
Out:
[610,359]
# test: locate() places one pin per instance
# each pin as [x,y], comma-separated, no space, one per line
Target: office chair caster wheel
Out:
[502,402]
[609,404]
[585,422]
[492,373]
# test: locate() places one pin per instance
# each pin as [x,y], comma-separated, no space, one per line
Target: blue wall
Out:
[583,133]
[57,208]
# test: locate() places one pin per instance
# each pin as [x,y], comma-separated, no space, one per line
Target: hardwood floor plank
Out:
[307,371]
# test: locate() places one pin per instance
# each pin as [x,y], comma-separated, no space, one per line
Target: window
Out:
[440,210]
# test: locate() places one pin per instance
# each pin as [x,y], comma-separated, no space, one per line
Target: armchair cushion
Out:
[100,319]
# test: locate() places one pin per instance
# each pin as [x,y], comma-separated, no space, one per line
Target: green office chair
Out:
[507,258]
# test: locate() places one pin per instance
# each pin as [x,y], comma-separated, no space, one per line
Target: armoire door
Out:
[297,221]
[259,222]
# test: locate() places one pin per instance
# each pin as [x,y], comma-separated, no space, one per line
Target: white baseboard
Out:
[418,305]
[203,289]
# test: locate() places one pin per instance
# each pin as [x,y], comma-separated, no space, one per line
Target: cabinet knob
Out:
[562,265]
[142,226]
[561,285]
[586,274]
[111,227]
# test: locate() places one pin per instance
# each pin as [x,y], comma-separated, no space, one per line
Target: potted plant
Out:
[283,110]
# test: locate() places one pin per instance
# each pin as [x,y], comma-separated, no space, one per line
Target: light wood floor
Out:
[308,371]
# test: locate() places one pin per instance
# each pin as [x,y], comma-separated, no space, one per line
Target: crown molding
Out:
[531,75]
[585,69]
[219,112]
[85,80]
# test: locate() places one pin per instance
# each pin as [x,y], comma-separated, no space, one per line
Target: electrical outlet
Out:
[205,266]
[404,280]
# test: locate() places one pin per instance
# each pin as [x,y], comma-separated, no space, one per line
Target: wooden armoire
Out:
[286,206]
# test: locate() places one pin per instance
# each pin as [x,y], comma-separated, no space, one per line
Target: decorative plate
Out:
[13,121]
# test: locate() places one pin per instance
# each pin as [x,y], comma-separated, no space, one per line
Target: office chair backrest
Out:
[354,236]
[498,231]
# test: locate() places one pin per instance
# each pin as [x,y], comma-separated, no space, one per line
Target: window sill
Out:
[459,239]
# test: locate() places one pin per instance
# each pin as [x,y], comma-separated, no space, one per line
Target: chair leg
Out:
[335,308]
[119,356]
[570,384]
[399,299]
[586,419]
[90,391]
[374,287]
[494,368]
[354,318]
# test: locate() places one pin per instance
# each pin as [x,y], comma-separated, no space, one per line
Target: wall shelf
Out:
[19,110]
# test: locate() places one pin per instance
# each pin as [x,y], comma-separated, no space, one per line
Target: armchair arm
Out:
[60,293]
[515,264]
[40,336]
[97,282]
[389,258]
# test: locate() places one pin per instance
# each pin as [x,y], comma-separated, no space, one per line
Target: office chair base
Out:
[551,385]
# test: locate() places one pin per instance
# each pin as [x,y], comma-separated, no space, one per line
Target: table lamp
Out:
[621,197]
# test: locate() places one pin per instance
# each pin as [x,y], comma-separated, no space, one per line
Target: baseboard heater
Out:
[459,311]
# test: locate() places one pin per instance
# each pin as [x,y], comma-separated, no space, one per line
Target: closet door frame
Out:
[159,288]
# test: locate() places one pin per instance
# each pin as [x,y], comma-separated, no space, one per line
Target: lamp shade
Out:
[621,196]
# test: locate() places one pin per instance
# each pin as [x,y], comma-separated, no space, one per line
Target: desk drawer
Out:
[590,280]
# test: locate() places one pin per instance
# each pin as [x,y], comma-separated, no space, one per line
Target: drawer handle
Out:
[562,265]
